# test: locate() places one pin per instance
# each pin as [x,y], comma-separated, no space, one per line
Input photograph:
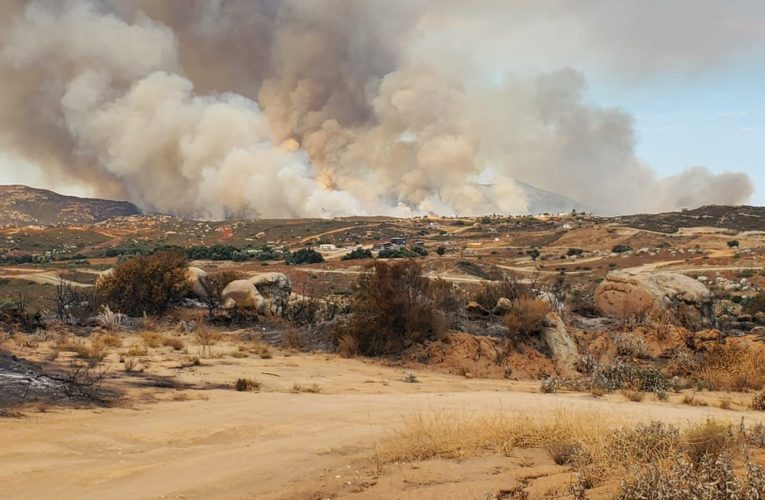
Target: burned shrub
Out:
[510,288]
[526,316]
[146,284]
[392,308]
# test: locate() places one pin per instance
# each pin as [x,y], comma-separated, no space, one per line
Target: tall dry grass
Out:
[732,366]
[449,435]
[602,446]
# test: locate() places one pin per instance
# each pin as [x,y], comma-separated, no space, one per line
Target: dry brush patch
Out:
[732,366]
[602,448]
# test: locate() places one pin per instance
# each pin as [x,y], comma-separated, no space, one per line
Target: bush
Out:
[756,304]
[419,250]
[526,316]
[758,402]
[709,439]
[631,345]
[573,252]
[621,375]
[621,249]
[441,250]
[358,253]
[247,385]
[267,253]
[303,256]
[712,478]
[392,308]
[510,288]
[214,252]
[400,253]
[731,366]
[146,284]
[549,385]
[733,244]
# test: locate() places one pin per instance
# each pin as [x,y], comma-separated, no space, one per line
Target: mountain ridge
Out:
[22,205]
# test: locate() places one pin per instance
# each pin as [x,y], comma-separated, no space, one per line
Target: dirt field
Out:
[202,439]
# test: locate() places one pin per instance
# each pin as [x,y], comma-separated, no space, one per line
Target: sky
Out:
[714,119]
[335,107]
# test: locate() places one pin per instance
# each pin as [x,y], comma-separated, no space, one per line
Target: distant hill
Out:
[539,201]
[738,218]
[25,206]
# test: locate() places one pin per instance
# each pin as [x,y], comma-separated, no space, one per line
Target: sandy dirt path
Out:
[272,444]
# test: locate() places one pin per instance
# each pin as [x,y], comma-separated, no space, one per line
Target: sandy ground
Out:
[209,441]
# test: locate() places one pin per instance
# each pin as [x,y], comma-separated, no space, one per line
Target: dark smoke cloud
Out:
[333,107]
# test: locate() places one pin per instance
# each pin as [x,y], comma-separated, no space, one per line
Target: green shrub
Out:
[358,253]
[303,256]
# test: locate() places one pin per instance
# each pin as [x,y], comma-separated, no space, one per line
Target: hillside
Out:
[737,218]
[24,206]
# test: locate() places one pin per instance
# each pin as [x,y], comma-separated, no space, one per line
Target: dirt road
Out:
[274,444]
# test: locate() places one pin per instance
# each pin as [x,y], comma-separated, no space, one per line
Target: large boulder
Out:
[242,294]
[503,307]
[198,282]
[275,289]
[561,345]
[682,299]
[474,309]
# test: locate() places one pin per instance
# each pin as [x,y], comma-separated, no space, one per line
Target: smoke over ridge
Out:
[333,107]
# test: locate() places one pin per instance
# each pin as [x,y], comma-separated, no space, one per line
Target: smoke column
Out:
[335,107]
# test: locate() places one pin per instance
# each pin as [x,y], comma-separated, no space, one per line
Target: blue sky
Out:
[714,119]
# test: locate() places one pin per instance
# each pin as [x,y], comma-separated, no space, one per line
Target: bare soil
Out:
[194,436]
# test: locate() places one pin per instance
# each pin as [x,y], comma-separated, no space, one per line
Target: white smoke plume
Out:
[291,108]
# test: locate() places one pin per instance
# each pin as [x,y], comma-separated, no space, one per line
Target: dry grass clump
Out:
[190,361]
[206,337]
[630,345]
[151,339]
[711,438]
[247,385]
[174,342]
[148,323]
[109,340]
[263,350]
[634,396]
[131,364]
[526,316]
[591,443]
[292,339]
[137,350]
[692,400]
[758,402]
[510,288]
[92,353]
[549,385]
[298,388]
[446,435]
[732,366]
[714,478]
